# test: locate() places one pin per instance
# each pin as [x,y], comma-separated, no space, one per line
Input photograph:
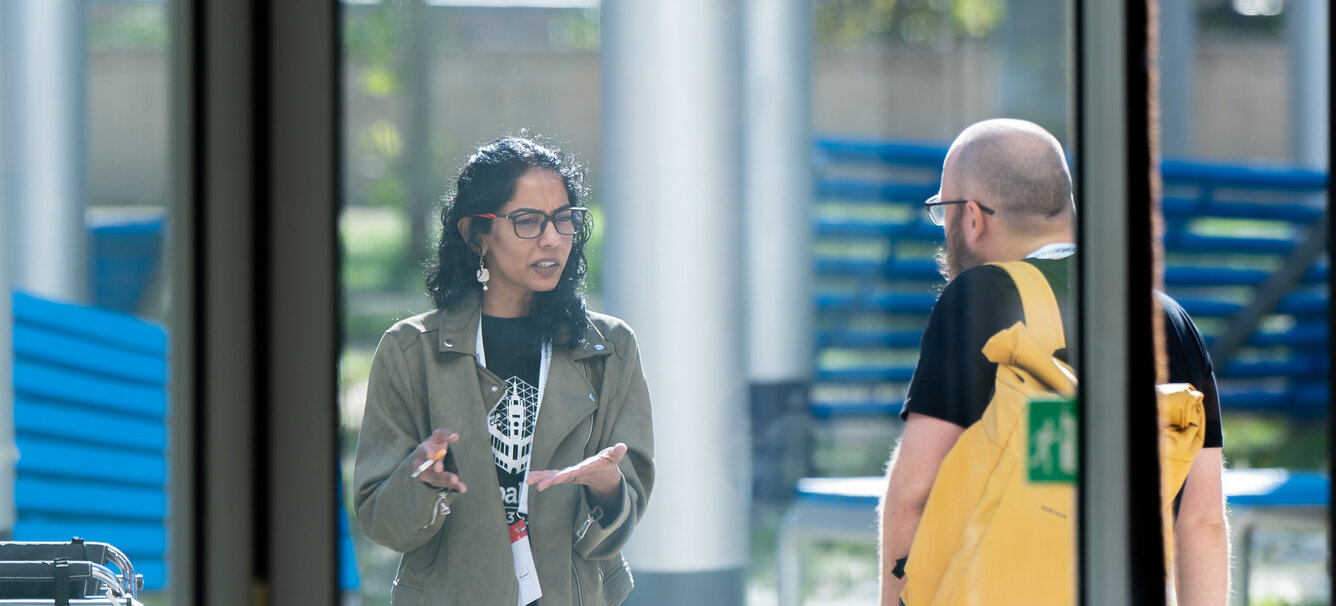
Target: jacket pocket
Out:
[615,579]
[420,561]
[586,583]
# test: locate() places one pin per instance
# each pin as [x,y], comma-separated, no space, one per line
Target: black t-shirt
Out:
[512,353]
[953,381]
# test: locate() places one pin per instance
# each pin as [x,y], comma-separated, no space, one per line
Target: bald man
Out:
[1006,195]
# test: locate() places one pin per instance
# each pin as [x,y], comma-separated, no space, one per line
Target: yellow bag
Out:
[1182,433]
[988,534]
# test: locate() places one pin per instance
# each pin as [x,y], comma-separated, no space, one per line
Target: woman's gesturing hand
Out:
[599,473]
[435,474]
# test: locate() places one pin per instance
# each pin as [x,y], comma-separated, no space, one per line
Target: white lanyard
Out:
[526,574]
[544,363]
[1057,250]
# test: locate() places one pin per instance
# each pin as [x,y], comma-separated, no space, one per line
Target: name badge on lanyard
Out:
[521,552]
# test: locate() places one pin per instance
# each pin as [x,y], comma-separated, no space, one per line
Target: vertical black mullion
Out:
[1147,566]
[262,161]
[1078,130]
[300,302]
[198,111]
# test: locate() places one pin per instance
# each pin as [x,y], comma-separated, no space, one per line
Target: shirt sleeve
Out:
[953,381]
[1189,362]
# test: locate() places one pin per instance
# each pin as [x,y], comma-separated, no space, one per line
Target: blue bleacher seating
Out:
[876,280]
[90,424]
[90,404]
[876,283]
[124,258]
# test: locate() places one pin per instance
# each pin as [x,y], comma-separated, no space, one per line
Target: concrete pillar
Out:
[673,166]
[41,216]
[1178,62]
[779,190]
[1306,25]
[44,131]
[6,304]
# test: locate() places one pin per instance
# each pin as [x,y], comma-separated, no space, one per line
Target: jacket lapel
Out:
[568,399]
[473,393]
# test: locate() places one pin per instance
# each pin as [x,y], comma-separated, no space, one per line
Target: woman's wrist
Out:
[607,494]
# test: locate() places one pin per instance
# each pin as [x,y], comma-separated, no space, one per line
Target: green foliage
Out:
[1274,601]
[594,250]
[577,32]
[375,47]
[1222,18]
[940,23]
[374,35]
[134,27]
[374,255]
[1273,441]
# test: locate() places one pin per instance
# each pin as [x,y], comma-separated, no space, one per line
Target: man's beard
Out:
[953,258]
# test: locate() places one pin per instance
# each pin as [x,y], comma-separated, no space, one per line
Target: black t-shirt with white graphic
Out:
[513,353]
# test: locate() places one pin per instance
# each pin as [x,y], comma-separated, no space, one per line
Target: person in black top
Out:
[1006,195]
[507,448]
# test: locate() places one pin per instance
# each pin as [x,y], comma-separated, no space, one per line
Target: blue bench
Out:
[845,509]
[876,279]
[124,257]
[90,403]
[90,424]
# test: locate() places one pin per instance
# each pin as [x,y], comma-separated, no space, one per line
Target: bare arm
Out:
[910,475]
[1201,535]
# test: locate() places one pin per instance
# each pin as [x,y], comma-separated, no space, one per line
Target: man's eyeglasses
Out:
[936,207]
[530,224]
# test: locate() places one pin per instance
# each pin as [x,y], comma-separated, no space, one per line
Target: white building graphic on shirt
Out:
[510,425]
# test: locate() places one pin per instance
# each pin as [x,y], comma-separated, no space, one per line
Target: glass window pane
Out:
[425,82]
[1244,217]
[84,271]
[894,87]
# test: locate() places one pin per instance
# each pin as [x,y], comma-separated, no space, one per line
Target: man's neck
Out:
[1024,248]
[1056,250]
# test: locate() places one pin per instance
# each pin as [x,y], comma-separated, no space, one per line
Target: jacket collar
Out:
[458,331]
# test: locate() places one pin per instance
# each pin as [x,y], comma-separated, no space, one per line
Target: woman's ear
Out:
[463,226]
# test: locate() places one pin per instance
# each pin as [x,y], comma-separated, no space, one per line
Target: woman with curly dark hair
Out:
[490,501]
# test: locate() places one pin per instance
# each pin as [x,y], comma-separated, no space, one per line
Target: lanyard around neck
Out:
[544,363]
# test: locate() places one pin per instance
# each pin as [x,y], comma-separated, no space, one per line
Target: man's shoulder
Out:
[991,284]
[976,285]
[1170,304]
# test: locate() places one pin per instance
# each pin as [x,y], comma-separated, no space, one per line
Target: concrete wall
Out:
[127,129]
[1242,101]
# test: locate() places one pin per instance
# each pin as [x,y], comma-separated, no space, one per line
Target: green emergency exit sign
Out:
[1052,441]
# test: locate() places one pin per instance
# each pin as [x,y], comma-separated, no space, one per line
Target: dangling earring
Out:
[483,274]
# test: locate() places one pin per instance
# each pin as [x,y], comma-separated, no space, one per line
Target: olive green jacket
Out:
[425,376]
